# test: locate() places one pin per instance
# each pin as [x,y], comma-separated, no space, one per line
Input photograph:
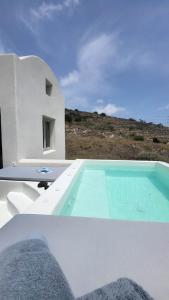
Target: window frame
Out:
[48,133]
[49,87]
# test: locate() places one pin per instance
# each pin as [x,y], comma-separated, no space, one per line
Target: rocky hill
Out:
[97,136]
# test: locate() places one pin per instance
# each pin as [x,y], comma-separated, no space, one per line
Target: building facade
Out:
[31,110]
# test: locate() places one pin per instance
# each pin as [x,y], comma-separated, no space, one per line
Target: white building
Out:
[31,110]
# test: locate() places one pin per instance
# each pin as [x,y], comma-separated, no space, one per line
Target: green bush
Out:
[148,155]
[160,125]
[78,119]
[138,138]
[142,121]
[68,118]
[132,128]
[103,127]
[156,140]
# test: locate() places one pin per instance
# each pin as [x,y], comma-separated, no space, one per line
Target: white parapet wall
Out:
[32,110]
[44,162]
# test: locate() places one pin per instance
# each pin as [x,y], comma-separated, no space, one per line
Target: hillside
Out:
[96,136]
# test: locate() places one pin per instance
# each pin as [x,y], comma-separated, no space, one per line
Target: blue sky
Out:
[109,55]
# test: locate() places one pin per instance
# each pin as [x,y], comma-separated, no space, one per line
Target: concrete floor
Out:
[94,252]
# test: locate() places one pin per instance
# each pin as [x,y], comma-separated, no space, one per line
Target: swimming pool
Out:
[120,191]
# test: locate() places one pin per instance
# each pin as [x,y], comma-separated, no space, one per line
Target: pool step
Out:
[91,199]
[19,201]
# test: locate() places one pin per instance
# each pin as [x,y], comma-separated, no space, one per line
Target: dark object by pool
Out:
[43,184]
[29,271]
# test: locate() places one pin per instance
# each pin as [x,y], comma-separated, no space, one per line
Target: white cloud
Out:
[77,102]
[109,109]
[93,62]
[165,107]
[108,52]
[99,101]
[70,79]
[97,52]
[46,9]
[99,60]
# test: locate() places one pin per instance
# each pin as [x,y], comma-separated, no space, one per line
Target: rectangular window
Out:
[48,87]
[48,126]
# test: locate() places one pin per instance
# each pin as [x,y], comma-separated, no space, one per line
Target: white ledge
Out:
[45,152]
[44,162]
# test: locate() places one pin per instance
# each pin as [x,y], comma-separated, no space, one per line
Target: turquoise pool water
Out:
[119,192]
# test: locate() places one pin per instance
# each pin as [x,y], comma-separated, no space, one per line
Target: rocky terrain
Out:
[97,136]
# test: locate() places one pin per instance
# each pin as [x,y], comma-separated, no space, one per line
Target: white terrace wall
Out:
[8,108]
[24,102]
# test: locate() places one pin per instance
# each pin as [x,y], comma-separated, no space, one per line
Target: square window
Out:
[48,126]
[48,87]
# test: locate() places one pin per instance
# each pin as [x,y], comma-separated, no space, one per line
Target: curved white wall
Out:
[23,102]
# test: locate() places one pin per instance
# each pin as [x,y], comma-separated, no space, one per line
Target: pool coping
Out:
[53,198]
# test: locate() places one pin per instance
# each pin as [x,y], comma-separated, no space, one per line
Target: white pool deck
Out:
[19,186]
[94,252]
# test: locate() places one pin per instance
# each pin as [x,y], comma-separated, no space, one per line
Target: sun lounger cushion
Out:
[28,271]
[122,289]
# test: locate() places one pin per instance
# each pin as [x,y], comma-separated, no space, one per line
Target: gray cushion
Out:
[122,289]
[29,271]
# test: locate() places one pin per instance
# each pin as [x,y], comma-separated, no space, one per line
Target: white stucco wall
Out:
[23,102]
[8,108]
